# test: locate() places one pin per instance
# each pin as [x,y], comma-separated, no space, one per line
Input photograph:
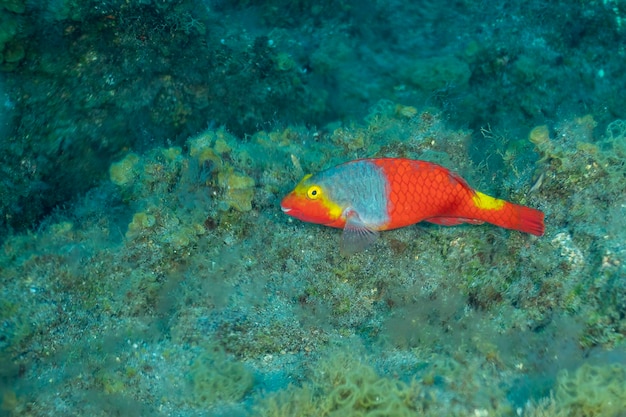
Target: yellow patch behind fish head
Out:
[316,202]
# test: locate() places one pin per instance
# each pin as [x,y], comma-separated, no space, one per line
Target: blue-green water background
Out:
[146,268]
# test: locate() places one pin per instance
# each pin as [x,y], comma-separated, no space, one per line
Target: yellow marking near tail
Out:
[485,202]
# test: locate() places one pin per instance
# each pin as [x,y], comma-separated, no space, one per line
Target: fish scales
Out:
[370,195]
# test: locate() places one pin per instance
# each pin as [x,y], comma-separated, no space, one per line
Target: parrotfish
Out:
[366,196]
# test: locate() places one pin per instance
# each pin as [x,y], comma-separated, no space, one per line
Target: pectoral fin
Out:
[356,236]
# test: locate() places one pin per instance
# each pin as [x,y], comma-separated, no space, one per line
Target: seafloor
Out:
[147,269]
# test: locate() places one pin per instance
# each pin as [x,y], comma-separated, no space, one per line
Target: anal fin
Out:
[452,221]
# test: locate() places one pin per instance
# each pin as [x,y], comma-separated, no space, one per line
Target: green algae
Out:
[592,390]
[344,386]
[216,378]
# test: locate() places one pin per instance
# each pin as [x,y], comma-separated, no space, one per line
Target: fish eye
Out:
[314,192]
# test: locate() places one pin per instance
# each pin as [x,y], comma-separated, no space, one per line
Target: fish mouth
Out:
[285,209]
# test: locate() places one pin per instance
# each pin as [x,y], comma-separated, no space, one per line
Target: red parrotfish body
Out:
[369,195]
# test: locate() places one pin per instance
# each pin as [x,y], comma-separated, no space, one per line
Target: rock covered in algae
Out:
[124,172]
[141,222]
[215,148]
[238,189]
[430,74]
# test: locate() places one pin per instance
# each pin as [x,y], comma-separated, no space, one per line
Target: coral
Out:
[201,148]
[141,222]
[344,386]
[238,189]
[615,138]
[284,62]
[124,172]
[546,407]
[593,391]
[539,135]
[217,378]
[179,238]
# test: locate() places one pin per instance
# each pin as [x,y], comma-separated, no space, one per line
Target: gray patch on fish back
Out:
[360,186]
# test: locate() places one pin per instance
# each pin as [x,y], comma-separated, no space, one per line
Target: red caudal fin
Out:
[530,221]
[502,213]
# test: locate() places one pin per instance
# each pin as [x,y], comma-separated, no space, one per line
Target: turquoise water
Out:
[147,269]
